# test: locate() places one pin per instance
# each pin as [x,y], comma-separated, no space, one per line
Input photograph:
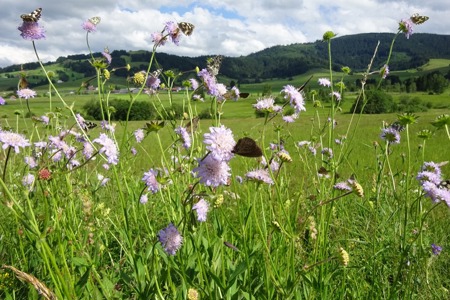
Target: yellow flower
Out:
[192,294]
[106,74]
[344,257]
[139,78]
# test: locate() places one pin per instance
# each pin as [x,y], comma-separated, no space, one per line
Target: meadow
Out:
[315,203]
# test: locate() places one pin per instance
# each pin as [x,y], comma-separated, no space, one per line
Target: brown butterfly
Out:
[417,19]
[186,28]
[247,147]
[192,125]
[231,246]
[34,16]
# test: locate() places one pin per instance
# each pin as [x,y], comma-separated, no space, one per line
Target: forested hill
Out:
[354,51]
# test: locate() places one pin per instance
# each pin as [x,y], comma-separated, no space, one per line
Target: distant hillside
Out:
[354,51]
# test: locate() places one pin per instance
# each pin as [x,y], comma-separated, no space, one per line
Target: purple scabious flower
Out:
[109,148]
[81,121]
[429,176]
[26,93]
[143,199]
[201,208]
[173,31]
[290,118]
[170,238]
[406,26]
[32,31]
[295,98]
[45,119]
[31,162]
[158,38]
[212,172]
[312,150]
[390,135]
[182,132]
[336,95]
[343,186]
[13,140]
[260,175]
[103,180]
[194,83]
[88,150]
[28,181]
[150,181]
[384,71]
[2,101]
[139,135]
[220,142]
[153,82]
[436,249]
[89,26]
[107,56]
[133,151]
[303,144]
[267,105]
[105,125]
[325,82]
[432,167]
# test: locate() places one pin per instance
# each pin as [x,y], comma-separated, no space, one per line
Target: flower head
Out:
[150,181]
[2,101]
[107,56]
[406,26]
[213,172]
[32,31]
[26,93]
[261,175]
[139,135]
[295,98]
[143,199]
[201,208]
[28,181]
[182,132]
[220,142]
[171,239]
[267,105]
[436,249]
[390,135]
[325,82]
[174,31]
[109,148]
[13,140]
[89,26]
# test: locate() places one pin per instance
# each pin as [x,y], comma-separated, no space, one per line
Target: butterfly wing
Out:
[213,64]
[191,126]
[186,28]
[95,20]
[34,16]
[247,147]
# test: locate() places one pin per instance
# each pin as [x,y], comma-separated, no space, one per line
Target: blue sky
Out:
[228,27]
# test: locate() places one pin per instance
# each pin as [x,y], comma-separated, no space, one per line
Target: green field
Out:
[102,215]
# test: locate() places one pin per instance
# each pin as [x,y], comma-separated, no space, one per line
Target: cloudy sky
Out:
[226,27]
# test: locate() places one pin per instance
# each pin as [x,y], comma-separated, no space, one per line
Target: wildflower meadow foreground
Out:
[183,207]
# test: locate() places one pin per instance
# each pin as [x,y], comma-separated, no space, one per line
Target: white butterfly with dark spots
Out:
[95,20]
[186,28]
[33,16]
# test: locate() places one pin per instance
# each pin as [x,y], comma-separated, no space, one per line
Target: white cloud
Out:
[227,27]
